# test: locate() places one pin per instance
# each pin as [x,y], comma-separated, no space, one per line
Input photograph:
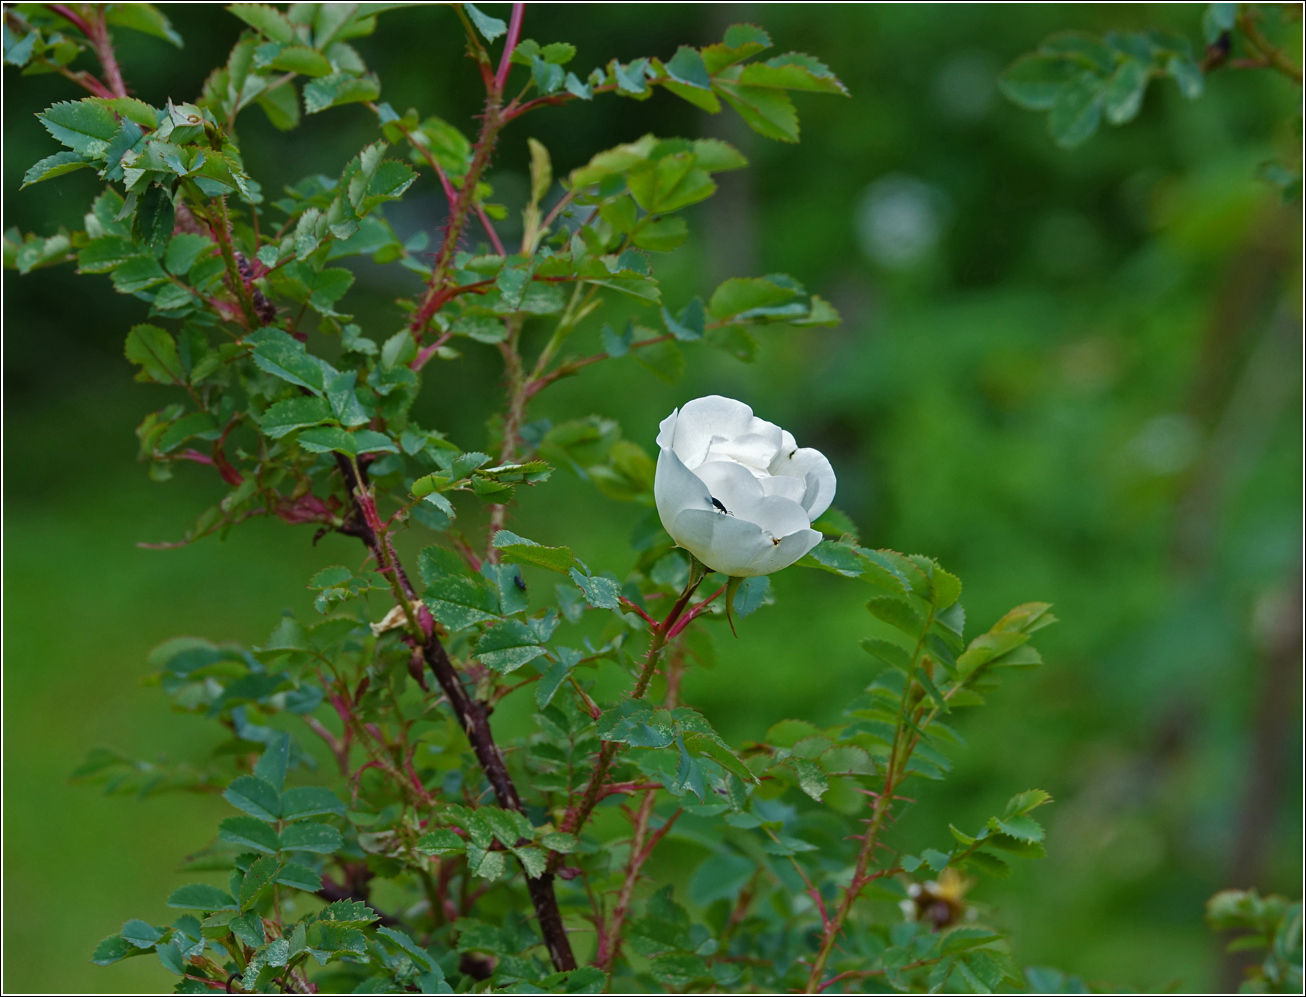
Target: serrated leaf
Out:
[1077,110]
[339,88]
[85,126]
[266,19]
[249,832]
[255,796]
[309,801]
[507,646]
[262,872]
[767,111]
[286,416]
[54,166]
[201,896]
[489,27]
[310,836]
[155,351]
[599,592]
[520,548]
[1036,81]
[1020,826]
[459,601]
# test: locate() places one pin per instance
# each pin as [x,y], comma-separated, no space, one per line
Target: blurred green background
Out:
[1070,376]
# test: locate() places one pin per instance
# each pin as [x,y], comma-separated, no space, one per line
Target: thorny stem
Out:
[99,37]
[641,847]
[471,714]
[898,755]
[1267,54]
[577,817]
[220,226]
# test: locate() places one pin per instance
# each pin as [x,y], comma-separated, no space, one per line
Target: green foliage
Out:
[249,297]
[1268,923]
[1079,79]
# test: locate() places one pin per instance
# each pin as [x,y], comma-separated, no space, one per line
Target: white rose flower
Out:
[736,491]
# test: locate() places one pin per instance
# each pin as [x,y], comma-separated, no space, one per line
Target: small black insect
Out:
[717,502]
[519,582]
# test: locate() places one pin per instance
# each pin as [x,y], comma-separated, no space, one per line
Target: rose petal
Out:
[702,421]
[667,430]
[676,488]
[784,553]
[786,487]
[809,466]
[731,484]
[724,543]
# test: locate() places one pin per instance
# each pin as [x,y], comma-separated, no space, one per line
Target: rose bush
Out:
[737,491]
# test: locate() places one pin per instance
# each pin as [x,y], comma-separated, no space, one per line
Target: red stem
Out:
[514,33]
[690,616]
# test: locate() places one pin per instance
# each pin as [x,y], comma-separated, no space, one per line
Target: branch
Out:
[1270,56]
[514,32]
[471,713]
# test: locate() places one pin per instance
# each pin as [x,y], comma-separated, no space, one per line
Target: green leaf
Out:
[507,646]
[184,250]
[599,592]
[143,17]
[740,297]
[155,351]
[138,274]
[459,601]
[323,439]
[283,356]
[309,801]
[134,110]
[300,59]
[248,928]
[1184,71]
[271,766]
[528,551]
[281,105]
[768,112]
[635,723]
[1019,826]
[339,88]
[266,19]
[310,836]
[750,595]
[489,27]
[945,588]
[54,166]
[664,360]
[419,955]
[299,877]
[687,67]
[793,71]
[441,842]
[1123,96]
[1023,803]
[286,416]
[255,796]
[85,126]
[262,872]
[1036,81]
[250,833]
[106,253]
[897,613]
[113,948]
[201,896]
[170,956]
[894,655]
[1217,19]
[1076,111]
[140,934]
